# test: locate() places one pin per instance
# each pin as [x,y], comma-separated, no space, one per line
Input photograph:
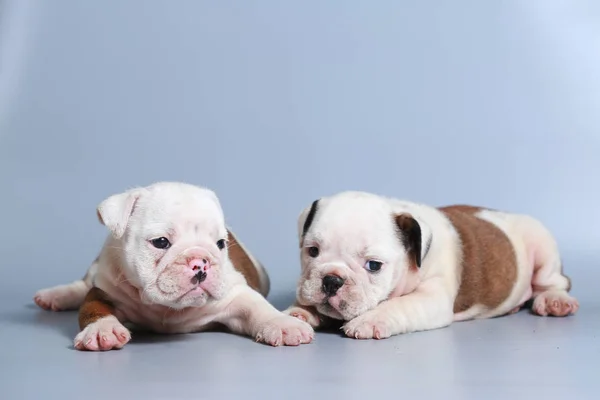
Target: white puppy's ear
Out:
[305,219]
[114,212]
[415,235]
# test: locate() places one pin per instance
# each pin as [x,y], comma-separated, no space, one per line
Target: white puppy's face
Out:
[174,243]
[355,252]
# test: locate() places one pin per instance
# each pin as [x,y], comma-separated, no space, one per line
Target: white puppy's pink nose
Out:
[199,264]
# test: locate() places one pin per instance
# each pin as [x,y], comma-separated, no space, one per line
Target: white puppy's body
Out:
[433,265]
[171,265]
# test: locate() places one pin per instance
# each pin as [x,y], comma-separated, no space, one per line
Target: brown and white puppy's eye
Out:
[161,243]
[221,244]
[313,251]
[373,265]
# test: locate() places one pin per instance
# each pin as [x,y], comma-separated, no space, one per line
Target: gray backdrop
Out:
[272,104]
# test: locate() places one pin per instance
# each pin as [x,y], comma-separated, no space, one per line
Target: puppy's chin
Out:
[338,308]
[195,297]
[328,311]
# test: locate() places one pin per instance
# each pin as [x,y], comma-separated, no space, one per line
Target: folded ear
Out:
[416,237]
[114,212]
[305,219]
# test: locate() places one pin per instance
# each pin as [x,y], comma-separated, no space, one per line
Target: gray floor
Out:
[520,356]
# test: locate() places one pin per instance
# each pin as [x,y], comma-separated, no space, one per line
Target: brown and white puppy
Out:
[385,266]
[171,265]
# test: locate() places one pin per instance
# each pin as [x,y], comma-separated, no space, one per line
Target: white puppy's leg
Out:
[428,307]
[66,297]
[251,314]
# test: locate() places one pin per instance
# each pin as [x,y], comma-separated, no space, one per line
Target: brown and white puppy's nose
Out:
[331,284]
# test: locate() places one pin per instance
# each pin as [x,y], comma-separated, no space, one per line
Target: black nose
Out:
[331,284]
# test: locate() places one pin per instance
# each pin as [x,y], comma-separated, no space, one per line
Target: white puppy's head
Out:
[171,239]
[355,252]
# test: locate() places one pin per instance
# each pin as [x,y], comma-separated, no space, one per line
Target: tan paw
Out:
[371,325]
[555,303]
[105,334]
[304,315]
[285,330]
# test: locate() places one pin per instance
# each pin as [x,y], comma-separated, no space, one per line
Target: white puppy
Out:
[386,267]
[171,265]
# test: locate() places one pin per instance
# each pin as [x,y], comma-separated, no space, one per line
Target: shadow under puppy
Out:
[384,266]
[171,265]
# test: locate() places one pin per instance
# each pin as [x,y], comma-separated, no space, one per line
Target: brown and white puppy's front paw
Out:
[371,325]
[284,330]
[105,334]
[306,314]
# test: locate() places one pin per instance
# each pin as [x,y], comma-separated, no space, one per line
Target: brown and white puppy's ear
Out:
[415,236]
[114,212]
[305,220]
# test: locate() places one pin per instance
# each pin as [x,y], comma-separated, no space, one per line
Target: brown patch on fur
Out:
[489,265]
[243,263]
[95,306]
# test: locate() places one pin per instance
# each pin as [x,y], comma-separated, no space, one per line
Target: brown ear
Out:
[409,232]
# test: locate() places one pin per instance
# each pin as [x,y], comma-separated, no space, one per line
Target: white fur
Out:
[351,228]
[155,288]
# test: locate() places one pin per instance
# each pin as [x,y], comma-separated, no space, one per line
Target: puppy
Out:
[171,265]
[383,267]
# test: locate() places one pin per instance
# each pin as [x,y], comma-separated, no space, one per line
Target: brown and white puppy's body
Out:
[171,265]
[385,266]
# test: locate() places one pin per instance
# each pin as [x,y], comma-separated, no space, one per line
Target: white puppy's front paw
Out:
[105,334]
[285,330]
[371,325]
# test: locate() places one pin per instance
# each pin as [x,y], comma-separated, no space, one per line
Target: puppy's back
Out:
[489,262]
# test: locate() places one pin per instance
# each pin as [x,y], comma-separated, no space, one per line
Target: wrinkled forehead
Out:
[356,222]
[181,210]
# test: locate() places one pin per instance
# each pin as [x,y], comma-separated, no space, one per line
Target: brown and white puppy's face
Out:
[356,251]
[173,243]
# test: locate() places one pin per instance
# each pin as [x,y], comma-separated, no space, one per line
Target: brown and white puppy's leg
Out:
[68,296]
[428,307]
[100,328]
[506,274]
[549,286]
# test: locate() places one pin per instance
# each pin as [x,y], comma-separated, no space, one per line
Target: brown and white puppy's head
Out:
[357,251]
[171,243]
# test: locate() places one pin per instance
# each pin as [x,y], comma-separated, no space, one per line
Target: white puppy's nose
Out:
[200,264]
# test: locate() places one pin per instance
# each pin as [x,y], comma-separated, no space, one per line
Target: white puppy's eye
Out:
[221,244]
[313,251]
[373,266]
[161,243]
